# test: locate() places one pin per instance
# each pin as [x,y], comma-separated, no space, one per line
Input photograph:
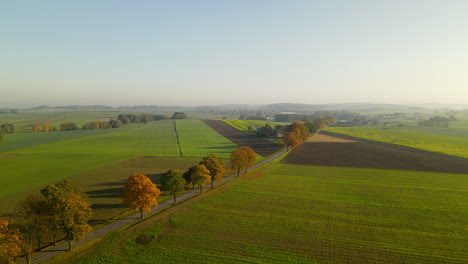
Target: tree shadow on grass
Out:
[105,193]
[114,183]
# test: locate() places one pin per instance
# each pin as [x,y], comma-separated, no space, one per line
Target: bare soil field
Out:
[261,146]
[332,149]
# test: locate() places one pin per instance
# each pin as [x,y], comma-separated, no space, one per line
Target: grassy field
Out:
[310,214]
[451,132]
[151,139]
[197,139]
[16,141]
[43,164]
[450,145]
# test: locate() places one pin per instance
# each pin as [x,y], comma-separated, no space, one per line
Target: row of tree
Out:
[139,118]
[61,209]
[140,193]
[437,121]
[43,128]
[113,123]
[295,134]
[58,209]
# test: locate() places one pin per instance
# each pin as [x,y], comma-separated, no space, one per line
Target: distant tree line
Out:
[140,118]
[179,115]
[113,123]
[121,120]
[43,128]
[8,111]
[437,121]
[325,115]
[7,128]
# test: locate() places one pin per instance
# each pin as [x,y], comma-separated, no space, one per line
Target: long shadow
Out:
[105,193]
[113,183]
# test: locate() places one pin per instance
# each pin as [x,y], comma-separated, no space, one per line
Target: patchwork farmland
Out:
[81,154]
[333,199]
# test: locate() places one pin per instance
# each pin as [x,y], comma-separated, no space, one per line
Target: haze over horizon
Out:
[233,52]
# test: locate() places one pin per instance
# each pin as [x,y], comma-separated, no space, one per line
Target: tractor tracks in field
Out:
[178,140]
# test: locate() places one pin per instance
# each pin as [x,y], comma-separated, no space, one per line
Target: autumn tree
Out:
[321,123]
[290,139]
[238,160]
[173,181]
[68,126]
[200,176]
[140,193]
[301,130]
[45,128]
[251,157]
[75,213]
[216,169]
[9,243]
[37,128]
[68,210]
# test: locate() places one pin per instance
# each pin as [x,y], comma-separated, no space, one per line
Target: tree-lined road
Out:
[62,247]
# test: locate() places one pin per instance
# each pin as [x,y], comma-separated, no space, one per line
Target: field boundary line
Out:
[178,140]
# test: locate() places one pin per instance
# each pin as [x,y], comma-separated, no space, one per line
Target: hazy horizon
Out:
[241,52]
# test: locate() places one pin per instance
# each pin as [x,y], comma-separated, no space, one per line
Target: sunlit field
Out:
[310,214]
[451,145]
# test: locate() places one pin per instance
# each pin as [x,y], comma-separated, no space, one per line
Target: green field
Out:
[197,139]
[451,132]
[456,146]
[310,214]
[43,164]
[16,141]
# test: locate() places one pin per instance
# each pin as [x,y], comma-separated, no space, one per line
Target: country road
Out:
[62,247]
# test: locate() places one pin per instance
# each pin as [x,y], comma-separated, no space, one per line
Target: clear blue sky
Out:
[222,52]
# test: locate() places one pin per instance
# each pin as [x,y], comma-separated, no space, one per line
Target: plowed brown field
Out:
[261,146]
[332,149]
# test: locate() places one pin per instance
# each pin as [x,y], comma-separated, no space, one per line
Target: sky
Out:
[212,52]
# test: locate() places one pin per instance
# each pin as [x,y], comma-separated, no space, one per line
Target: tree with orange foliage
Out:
[9,243]
[75,213]
[215,168]
[238,160]
[290,139]
[251,157]
[200,176]
[45,128]
[140,193]
[37,128]
[321,123]
[301,130]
